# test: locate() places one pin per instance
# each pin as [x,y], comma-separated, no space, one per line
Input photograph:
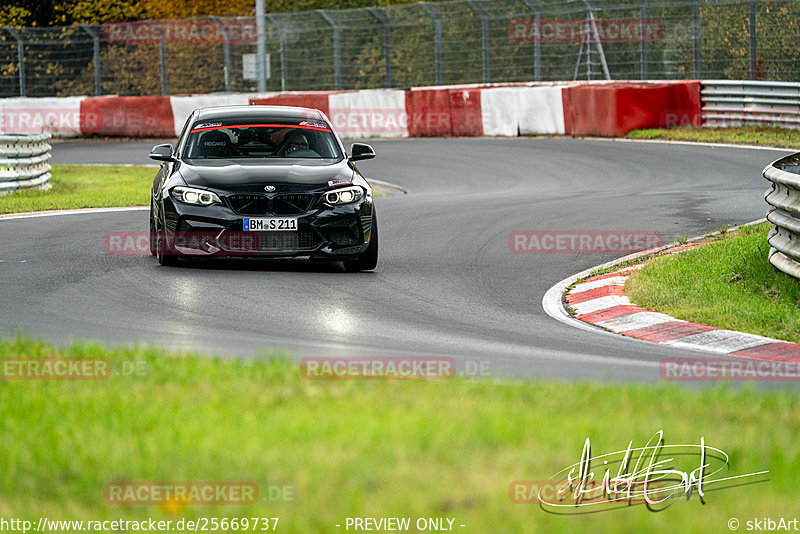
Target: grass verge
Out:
[367,448]
[745,135]
[90,186]
[85,186]
[728,283]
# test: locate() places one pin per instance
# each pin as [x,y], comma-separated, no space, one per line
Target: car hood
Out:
[234,176]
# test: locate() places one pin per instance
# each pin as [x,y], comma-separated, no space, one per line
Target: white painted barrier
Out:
[541,111]
[512,111]
[369,113]
[56,116]
[499,111]
[182,106]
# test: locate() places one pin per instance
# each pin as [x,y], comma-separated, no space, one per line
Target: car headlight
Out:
[345,195]
[198,197]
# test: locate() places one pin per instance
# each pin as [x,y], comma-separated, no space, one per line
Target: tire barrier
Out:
[24,162]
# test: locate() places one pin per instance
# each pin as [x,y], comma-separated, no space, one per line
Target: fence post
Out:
[155,30]
[337,54]
[378,14]
[537,44]
[226,50]
[753,41]
[20,57]
[696,16]
[284,67]
[485,36]
[437,26]
[261,47]
[96,45]
[643,25]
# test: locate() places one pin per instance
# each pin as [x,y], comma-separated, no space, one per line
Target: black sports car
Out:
[262,181]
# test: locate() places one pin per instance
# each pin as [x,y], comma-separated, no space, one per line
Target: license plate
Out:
[271,224]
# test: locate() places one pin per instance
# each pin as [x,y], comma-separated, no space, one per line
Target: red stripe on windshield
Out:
[303,127]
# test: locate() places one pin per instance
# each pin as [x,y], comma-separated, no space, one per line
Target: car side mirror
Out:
[361,151]
[162,153]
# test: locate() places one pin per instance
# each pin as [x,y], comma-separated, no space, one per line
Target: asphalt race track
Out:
[446,284]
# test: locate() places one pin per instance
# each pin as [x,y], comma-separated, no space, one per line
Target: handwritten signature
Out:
[643,476]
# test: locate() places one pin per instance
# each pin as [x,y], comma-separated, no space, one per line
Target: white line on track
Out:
[69,212]
[689,143]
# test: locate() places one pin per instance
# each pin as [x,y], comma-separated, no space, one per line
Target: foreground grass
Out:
[367,448]
[84,186]
[745,135]
[728,283]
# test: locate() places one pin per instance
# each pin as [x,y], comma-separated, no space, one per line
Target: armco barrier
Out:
[614,109]
[734,103]
[23,162]
[128,116]
[784,197]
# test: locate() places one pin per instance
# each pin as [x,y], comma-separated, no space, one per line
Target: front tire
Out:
[153,236]
[367,260]
[166,256]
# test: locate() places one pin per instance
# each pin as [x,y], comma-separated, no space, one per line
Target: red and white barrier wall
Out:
[606,109]
[59,116]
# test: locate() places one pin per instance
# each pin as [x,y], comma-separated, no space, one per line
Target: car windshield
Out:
[306,139]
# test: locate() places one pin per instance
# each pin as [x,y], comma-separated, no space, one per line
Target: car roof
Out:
[258,112]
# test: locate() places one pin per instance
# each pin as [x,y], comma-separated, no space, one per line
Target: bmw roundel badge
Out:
[269,188]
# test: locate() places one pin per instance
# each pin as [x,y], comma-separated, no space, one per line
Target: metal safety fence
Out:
[427,43]
[729,103]
[24,162]
[784,197]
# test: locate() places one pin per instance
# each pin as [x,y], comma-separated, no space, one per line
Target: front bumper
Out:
[323,232]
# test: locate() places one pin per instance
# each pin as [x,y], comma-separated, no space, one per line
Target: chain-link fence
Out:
[428,43]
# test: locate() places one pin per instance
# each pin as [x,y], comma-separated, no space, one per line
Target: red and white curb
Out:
[601,301]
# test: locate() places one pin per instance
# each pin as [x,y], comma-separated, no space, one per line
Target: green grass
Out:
[368,448]
[745,135]
[84,186]
[728,283]
[90,186]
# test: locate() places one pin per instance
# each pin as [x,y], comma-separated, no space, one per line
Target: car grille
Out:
[301,240]
[304,239]
[289,204]
[249,204]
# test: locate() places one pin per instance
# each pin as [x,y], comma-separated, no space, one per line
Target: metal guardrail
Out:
[736,103]
[784,197]
[24,162]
